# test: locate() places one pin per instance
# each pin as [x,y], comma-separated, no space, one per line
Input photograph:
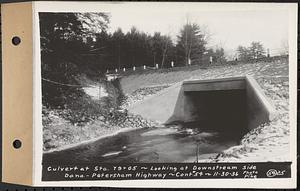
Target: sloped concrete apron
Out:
[196,100]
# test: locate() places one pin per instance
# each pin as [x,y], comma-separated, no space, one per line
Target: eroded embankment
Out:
[94,114]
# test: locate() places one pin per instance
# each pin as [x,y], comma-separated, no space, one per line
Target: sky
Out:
[228,26]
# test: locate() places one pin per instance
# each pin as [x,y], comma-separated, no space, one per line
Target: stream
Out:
[155,144]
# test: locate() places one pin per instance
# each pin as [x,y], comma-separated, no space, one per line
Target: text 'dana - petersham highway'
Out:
[109,171]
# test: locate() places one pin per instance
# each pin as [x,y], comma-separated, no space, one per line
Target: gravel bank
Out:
[60,132]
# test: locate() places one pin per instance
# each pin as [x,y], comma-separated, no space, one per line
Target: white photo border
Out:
[47,6]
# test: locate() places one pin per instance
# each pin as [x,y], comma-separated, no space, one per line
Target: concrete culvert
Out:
[234,105]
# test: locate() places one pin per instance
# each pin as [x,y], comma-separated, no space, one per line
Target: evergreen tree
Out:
[191,44]
[257,50]
[254,51]
[64,52]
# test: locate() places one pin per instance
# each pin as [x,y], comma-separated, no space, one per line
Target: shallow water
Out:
[161,144]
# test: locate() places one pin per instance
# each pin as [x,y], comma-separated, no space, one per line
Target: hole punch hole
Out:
[17,144]
[16,40]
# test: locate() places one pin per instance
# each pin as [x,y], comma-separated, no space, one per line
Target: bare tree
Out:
[284,47]
[167,43]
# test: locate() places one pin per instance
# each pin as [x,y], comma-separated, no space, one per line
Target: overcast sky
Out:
[228,27]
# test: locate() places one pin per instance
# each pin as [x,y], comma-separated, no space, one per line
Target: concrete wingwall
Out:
[259,108]
[160,107]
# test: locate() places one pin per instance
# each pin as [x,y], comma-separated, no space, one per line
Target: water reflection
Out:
[161,144]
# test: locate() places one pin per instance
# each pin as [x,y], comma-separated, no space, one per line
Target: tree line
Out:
[73,38]
[76,43]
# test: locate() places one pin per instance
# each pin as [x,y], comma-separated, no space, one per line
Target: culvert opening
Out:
[232,106]
[220,110]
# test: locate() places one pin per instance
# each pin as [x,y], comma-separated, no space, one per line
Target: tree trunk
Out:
[163,60]
[119,60]
[164,56]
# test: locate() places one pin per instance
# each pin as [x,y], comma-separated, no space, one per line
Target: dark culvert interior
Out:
[224,111]
[231,106]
